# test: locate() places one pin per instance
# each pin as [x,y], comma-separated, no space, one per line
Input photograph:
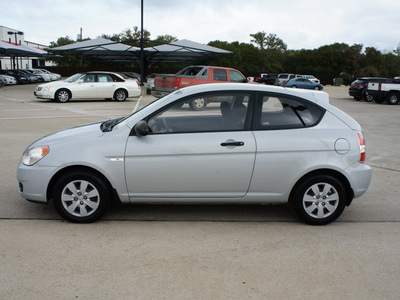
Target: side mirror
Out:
[141,128]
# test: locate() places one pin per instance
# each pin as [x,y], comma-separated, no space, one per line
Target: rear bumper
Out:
[360,179]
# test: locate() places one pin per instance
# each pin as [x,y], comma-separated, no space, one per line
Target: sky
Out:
[301,24]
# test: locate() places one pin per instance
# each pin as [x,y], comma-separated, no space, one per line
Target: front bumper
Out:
[33,181]
[42,95]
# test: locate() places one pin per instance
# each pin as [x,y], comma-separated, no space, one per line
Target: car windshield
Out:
[73,78]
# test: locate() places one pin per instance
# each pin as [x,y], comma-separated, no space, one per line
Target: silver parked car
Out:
[252,144]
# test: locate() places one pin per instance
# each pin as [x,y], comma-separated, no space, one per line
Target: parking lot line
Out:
[58,117]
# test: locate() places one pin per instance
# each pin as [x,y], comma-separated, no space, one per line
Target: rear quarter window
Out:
[284,112]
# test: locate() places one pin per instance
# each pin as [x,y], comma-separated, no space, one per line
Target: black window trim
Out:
[257,104]
[248,120]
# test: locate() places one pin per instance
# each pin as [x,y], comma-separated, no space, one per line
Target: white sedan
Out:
[8,80]
[91,85]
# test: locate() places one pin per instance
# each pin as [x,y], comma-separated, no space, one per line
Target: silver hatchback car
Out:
[251,144]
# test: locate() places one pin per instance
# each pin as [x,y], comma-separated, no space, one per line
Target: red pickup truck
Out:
[193,75]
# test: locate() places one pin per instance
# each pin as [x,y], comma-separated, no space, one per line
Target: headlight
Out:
[33,155]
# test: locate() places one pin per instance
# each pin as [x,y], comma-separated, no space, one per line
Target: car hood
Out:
[82,132]
[56,84]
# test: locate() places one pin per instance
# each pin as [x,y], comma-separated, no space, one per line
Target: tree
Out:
[166,39]
[270,47]
[268,42]
[62,41]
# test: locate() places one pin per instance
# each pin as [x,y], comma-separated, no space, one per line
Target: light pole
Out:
[15,33]
[141,47]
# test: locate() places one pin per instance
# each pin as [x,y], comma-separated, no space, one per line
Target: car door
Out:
[193,154]
[105,86]
[85,87]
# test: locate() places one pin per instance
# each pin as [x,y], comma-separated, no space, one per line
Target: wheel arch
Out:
[63,88]
[122,88]
[79,168]
[339,176]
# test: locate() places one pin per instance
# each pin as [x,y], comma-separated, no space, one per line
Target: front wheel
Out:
[81,197]
[120,95]
[319,200]
[62,96]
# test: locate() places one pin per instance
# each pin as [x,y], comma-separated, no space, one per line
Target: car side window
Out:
[104,78]
[89,78]
[236,76]
[283,112]
[209,112]
[220,75]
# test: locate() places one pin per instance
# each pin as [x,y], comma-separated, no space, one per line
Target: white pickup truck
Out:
[389,92]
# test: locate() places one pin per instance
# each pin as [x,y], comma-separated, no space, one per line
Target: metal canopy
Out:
[181,51]
[11,50]
[104,49]
[100,48]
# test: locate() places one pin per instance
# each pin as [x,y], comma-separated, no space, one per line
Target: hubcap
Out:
[320,200]
[80,198]
[198,103]
[120,95]
[63,96]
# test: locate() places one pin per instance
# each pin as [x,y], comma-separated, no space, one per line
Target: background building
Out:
[17,37]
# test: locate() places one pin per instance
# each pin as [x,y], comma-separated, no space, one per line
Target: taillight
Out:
[361,142]
[177,82]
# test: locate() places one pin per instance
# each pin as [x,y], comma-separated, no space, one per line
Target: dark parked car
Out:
[359,87]
[2,82]
[269,78]
[32,78]
[21,78]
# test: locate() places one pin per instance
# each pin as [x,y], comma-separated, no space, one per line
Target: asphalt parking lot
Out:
[196,252]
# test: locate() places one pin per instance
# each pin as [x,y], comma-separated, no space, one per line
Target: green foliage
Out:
[267,53]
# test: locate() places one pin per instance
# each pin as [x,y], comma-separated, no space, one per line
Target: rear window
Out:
[283,112]
[190,71]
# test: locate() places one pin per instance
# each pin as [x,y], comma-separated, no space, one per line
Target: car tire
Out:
[198,104]
[319,200]
[392,98]
[62,96]
[81,197]
[120,95]
[293,86]
[368,98]
[316,88]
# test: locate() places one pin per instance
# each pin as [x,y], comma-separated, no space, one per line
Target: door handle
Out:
[226,144]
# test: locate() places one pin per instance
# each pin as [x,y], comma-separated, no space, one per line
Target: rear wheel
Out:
[120,95]
[393,98]
[198,104]
[319,200]
[81,197]
[368,98]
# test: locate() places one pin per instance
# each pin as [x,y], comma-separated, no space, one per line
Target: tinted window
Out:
[104,78]
[283,112]
[220,75]
[89,78]
[223,112]
[236,76]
